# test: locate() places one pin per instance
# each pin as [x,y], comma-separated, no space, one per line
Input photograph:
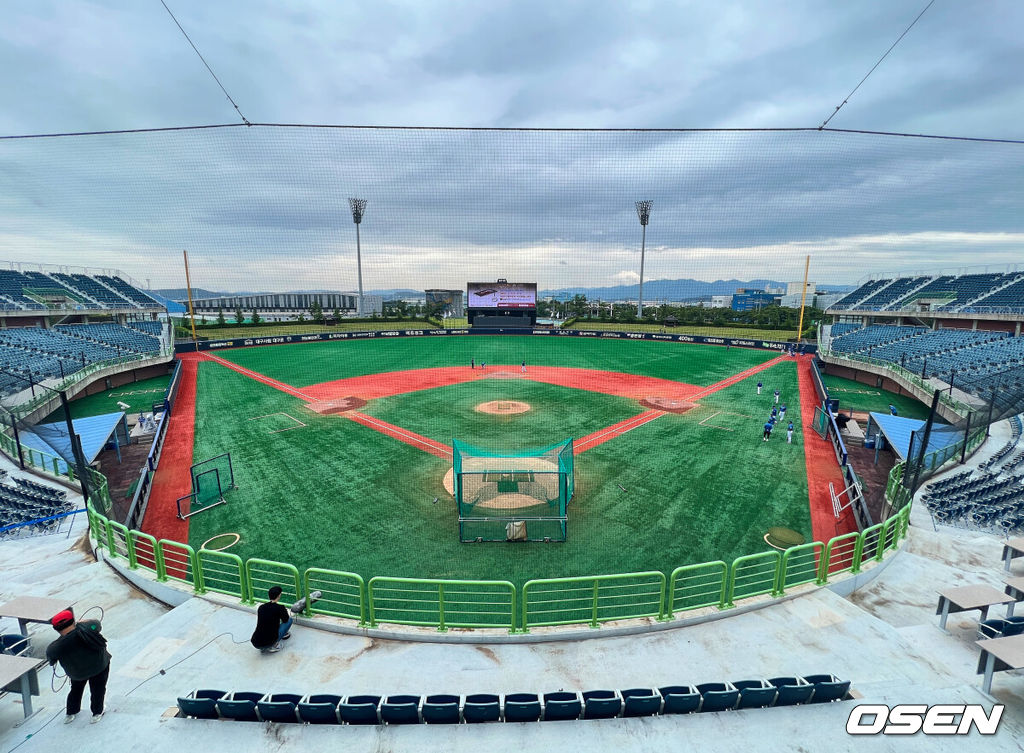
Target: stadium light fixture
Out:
[643,211]
[358,206]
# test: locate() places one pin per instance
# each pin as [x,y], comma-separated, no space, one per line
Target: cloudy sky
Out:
[266,207]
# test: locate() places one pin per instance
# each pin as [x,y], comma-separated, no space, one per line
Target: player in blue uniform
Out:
[767,431]
[789,433]
[776,397]
[782,412]
[759,386]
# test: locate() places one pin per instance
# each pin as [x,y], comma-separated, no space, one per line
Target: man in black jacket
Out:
[273,622]
[82,652]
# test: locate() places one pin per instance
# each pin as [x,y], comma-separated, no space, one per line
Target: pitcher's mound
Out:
[338,405]
[668,404]
[502,407]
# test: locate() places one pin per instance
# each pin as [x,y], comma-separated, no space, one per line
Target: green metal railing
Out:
[442,603]
[753,575]
[696,586]
[220,572]
[593,599]
[802,564]
[342,594]
[260,575]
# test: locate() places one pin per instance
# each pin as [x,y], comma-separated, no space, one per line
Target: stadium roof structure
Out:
[898,432]
[96,432]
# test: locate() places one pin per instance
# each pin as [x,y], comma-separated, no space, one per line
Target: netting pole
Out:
[17,441]
[967,434]
[76,446]
[924,443]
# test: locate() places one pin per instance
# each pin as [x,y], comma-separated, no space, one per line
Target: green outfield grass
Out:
[856,396]
[304,364]
[339,495]
[139,395]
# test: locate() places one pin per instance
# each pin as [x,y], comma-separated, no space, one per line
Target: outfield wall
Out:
[248,342]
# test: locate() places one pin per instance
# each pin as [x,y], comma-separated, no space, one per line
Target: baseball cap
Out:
[62,619]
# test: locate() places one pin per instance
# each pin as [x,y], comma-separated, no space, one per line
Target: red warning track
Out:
[821,465]
[172,480]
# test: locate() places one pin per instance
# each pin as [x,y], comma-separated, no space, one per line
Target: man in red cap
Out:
[82,652]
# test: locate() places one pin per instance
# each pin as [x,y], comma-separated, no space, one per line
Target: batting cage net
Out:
[513,496]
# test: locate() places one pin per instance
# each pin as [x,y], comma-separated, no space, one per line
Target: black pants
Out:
[97,690]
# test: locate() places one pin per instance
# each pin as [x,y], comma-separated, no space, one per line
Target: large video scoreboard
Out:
[501,303]
[501,295]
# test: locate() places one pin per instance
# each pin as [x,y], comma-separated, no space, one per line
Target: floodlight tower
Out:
[358,207]
[643,211]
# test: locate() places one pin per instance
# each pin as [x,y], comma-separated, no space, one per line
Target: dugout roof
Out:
[897,431]
[96,432]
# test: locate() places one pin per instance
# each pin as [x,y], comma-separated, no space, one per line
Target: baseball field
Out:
[339,451]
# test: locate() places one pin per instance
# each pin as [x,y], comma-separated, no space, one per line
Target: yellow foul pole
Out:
[192,312]
[803,299]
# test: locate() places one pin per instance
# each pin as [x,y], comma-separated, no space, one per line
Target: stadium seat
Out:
[755,694]
[319,709]
[200,704]
[481,707]
[13,643]
[278,707]
[441,709]
[601,704]
[1000,627]
[561,705]
[718,696]
[400,709]
[827,688]
[792,690]
[241,707]
[360,709]
[640,702]
[680,699]
[522,707]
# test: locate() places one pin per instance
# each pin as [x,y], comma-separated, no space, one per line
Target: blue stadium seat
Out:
[561,705]
[441,709]
[241,706]
[680,699]
[278,707]
[400,709]
[13,643]
[481,707]
[601,704]
[755,694]
[792,690]
[522,707]
[200,704]
[827,688]
[640,702]
[360,709]
[717,696]
[321,708]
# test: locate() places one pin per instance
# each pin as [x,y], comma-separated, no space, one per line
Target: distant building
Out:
[289,303]
[450,301]
[796,288]
[721,301]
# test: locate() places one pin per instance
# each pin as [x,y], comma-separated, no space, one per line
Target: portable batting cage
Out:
[513,496]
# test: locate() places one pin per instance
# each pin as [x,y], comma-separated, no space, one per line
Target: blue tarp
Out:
[897,431]
[96,432]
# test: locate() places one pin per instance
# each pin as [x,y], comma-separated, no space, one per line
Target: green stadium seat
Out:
[481,707]
[241,707]
[360,709]
[278,707]
[680,699]
[441,709]
[522,707]
[640,702]
[200,704]
[321,708]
